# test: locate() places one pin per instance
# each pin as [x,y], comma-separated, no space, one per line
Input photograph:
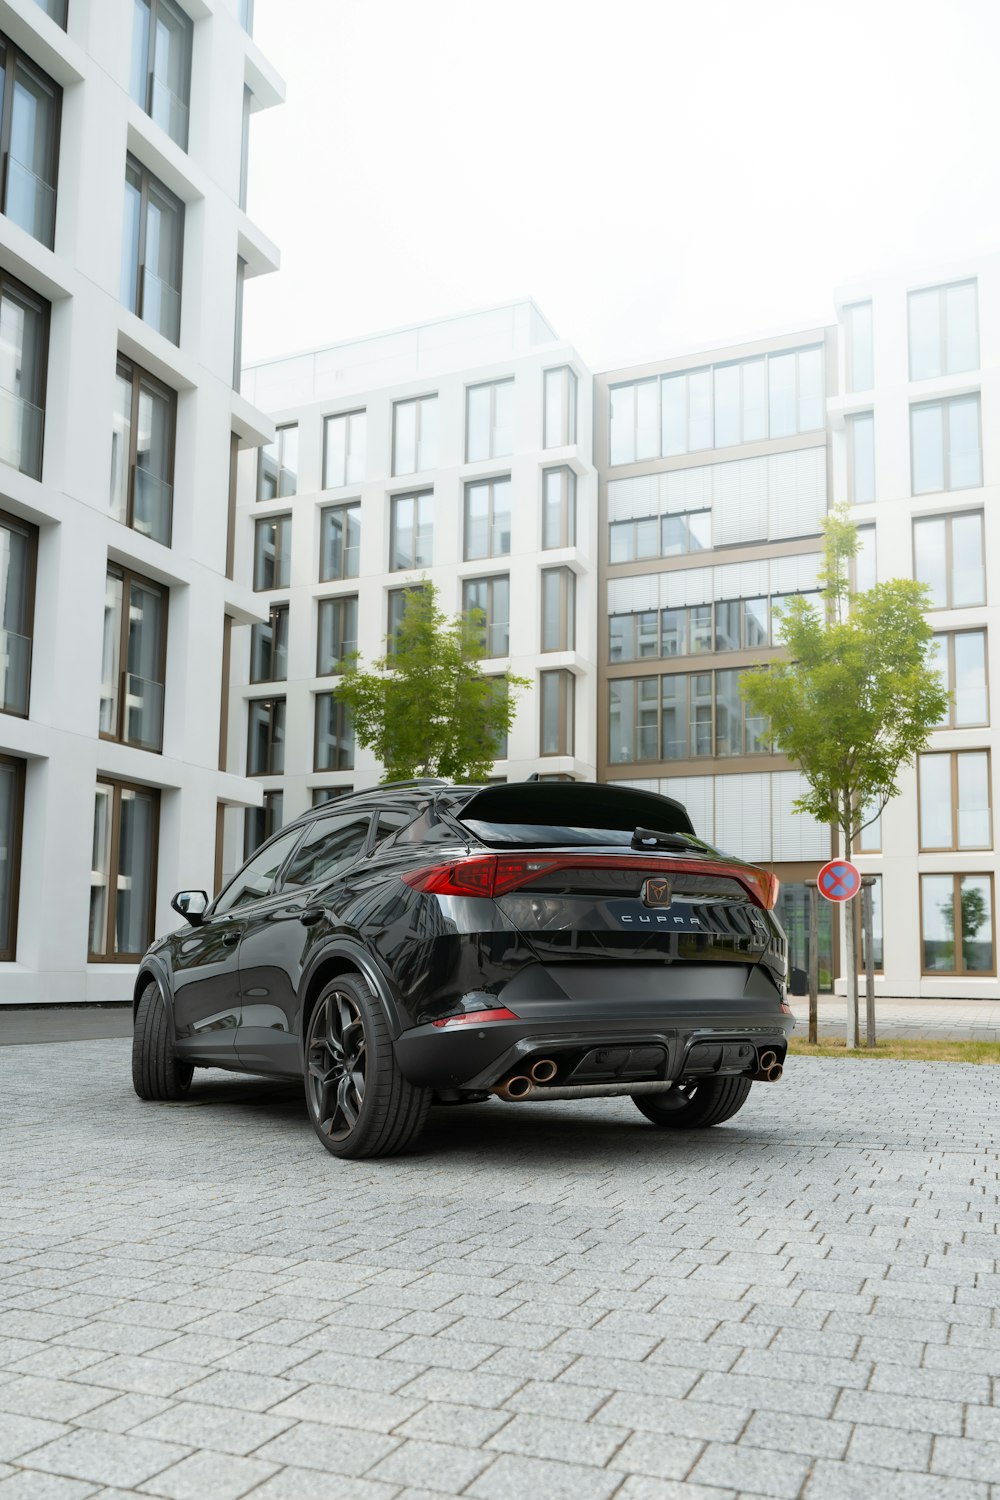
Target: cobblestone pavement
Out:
[555,1302]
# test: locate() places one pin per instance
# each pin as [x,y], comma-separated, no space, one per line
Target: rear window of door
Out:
[327,848]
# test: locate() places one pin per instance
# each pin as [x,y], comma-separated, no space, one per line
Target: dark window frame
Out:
[329,510]
[949,517]
[949,637]
[418,497]
[344,416]
[567,508]
[490,623]
[272,705]
[279,549]
[952,756]
[335,605]
[566,582]
[959,971]
[117,787]
[19,766]
[11,57]
[187,28]
[945,404]
[30,534]
[148,180]
[18,292]
[489,485]
[273,803]
[129,576]
[139,378]
[281,470]
[275,610]
[345,757]
[565,711]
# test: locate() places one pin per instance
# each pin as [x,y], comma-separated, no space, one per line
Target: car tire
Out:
[696,1105]
[358,1100]
[156,1072]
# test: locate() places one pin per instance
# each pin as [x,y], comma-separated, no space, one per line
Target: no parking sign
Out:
[839,880]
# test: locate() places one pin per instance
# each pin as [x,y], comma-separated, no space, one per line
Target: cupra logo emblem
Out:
[656,892]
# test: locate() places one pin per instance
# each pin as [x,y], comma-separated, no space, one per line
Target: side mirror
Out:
[191,905]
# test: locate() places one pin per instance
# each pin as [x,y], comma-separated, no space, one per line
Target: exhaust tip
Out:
[774,1072]
[515,1088]
[768,1060]
[544,1070]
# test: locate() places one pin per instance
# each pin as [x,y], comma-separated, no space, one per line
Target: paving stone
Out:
[59,1400]
[311,1484]
[752,1469]
[28,1484]
[343,1407]
[788,1434]
[315,1445]
[966,1458]
[654,1454]
[882,1410]
[444,1422]
[105,1457]
[19,1434]
[512,1478]
[843,1481]
[250,1392]
[217,1427]
[435,1466]
[574,1403]
[123,1412]
[547,1437]
[220,1476]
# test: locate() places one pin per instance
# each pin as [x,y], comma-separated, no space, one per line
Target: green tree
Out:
[854,700]
[425,708]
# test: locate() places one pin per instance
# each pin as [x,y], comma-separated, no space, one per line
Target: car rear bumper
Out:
[630,1047]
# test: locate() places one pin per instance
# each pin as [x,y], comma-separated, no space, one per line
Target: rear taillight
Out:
[476,1017]
[495,874]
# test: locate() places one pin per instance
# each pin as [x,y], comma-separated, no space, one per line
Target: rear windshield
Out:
[557,814]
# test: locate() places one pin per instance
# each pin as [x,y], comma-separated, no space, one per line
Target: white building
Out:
[716,469]
[123,247]
[457,452]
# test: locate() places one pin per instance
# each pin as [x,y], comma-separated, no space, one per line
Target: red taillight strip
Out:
[495,874]
[476,1017]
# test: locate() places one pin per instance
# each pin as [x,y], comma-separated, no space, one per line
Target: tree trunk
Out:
[850,940]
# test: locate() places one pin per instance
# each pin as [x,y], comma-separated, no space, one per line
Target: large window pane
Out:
[23,351]
[860,347]
[161,65]
[152,252]
[861,457]
[965,467]
[812,407]
[557,700]
[560,407]
[17,589]
[728,427]
[967,564]
[272,553]
[30,186]
[337,635]
[781,394]
[944,331]
[927,440]
[558,508]
[414,446]
[334,735]
[340,542]
[266,737]
[673,398]
[973,819]
[969,686]
[937,902]
[11,803]
[926,344]
[935,802]
[123,871]
[412,531]
[931,559]
[344,449]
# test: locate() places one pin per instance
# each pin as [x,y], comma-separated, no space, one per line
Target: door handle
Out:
[311,916]
[232,938]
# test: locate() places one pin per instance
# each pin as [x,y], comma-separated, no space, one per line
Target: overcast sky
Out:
[658,174]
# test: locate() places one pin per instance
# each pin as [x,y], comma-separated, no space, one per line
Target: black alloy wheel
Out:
[696,1103]
[359,1102]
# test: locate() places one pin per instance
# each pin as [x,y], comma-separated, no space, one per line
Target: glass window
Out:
[680,716]
[18,543]
[123,871]
[560,407]
[153,251]
[414,435]
[340,542]
[344,449]
[860,360]
[161,65]
[334,745]
[142,452]
[487,518]
[945,444]
[411,543]
[634,421]
[955,800]
[269,647]
[558,508]
[134,660]
[11,819]
[262,823]
[29,142]
[864,562]
[492,597]
[558,609]
[944,330]
[272,556]
[557,699]
[949,558]
[489,420]
[960,657]
[24,337]
[689,531]
[278,464]
[337,635]
[964,946]
[878,943]
[398,599]
[321,794]
[740,403]
[256,880]
[329,846]
[266,737]
[861,458]
[56,9]
[246,8]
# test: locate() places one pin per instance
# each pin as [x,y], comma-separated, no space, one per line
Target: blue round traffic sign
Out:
[839,880]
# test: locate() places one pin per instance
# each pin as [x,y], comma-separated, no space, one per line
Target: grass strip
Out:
[916,1049]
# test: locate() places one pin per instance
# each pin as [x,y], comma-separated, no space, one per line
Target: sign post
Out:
[840,881]
[868,928]
[813,963]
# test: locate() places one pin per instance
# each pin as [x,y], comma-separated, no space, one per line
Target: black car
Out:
[427,943]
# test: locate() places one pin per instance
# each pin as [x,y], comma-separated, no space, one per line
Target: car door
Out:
[278,933]
[206,980]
